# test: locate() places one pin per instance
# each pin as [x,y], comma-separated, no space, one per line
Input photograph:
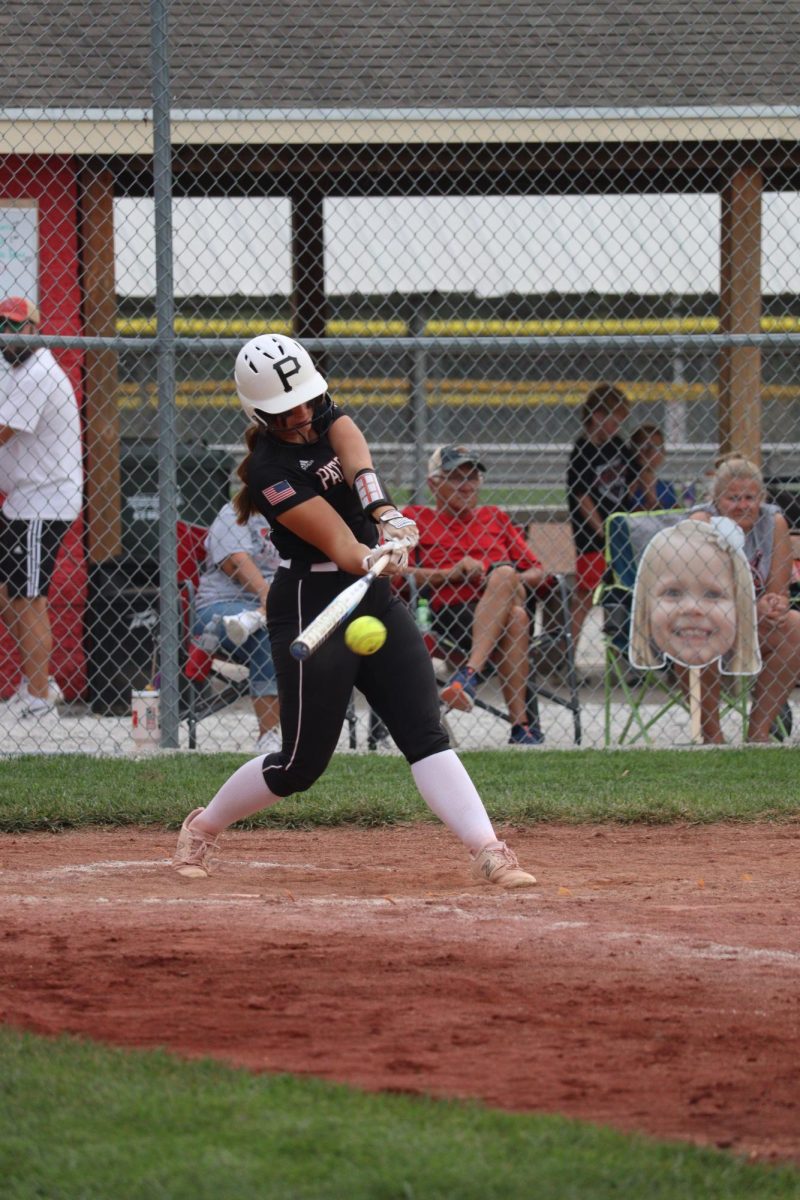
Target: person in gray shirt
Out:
[239,567]
[738,492]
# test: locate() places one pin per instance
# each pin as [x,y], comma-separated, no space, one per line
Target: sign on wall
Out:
[19,249]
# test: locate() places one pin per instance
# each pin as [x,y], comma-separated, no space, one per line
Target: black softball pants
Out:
[397,681]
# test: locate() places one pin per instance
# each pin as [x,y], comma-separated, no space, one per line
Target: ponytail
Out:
[242,504]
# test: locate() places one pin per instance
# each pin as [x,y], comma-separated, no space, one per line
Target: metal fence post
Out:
[419,407]
[165,378]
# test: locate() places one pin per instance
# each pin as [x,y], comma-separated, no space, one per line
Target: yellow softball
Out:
[365,635]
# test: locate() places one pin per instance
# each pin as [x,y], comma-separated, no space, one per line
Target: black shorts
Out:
[28,552]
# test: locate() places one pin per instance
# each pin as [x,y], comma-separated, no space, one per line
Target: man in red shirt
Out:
[476,566]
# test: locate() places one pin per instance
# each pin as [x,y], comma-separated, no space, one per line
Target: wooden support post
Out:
[101,415]
[309,306]
[740,312]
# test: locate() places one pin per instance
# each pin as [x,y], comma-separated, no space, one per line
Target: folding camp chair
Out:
[554,635]
[203,692]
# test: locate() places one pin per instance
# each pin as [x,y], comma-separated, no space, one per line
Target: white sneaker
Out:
[26,705]
[54,693]
[240,626]
[269,742]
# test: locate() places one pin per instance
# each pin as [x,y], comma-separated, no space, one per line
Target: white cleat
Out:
[194,853]
[497,864]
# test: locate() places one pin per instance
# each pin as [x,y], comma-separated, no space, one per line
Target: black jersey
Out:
[282,475]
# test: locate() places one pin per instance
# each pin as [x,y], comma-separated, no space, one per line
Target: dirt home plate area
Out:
[650,982]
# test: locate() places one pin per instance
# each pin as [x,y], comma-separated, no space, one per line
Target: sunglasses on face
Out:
[9,326]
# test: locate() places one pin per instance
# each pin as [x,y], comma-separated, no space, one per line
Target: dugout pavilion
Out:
[580,99]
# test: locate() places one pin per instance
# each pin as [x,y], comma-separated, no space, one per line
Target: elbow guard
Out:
[370,490]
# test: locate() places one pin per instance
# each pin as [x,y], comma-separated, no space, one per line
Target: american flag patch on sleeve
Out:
[277,492]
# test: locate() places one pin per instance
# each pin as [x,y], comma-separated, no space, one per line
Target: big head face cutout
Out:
[692,605]
[694,602]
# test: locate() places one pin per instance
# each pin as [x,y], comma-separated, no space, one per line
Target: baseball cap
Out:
[19,310]
[446,458]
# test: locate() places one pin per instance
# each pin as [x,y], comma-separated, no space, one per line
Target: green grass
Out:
[655,786]
[79,1121]
[82,1122]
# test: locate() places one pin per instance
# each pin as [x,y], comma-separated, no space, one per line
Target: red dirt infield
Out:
[650,982]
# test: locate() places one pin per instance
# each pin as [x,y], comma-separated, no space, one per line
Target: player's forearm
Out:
[351,448]
[355,460]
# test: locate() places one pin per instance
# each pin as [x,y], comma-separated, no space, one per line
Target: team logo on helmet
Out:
[286,367]
[285,373]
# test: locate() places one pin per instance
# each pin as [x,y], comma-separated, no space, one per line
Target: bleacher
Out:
[534,467]
[543,466]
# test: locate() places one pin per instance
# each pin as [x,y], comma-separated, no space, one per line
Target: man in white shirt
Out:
[41,477]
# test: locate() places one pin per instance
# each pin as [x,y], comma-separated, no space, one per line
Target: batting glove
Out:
[395,554]
[395,526]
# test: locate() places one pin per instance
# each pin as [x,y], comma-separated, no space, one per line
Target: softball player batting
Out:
[309,472]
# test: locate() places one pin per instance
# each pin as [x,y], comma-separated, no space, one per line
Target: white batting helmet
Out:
[275,373]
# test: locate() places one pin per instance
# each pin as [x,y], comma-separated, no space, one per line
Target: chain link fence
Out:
[478,219]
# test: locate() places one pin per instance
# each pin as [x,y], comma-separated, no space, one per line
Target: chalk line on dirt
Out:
[95,868]
[463,906]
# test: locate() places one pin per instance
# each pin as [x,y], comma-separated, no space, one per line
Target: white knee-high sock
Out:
[241,795]
[449,792]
